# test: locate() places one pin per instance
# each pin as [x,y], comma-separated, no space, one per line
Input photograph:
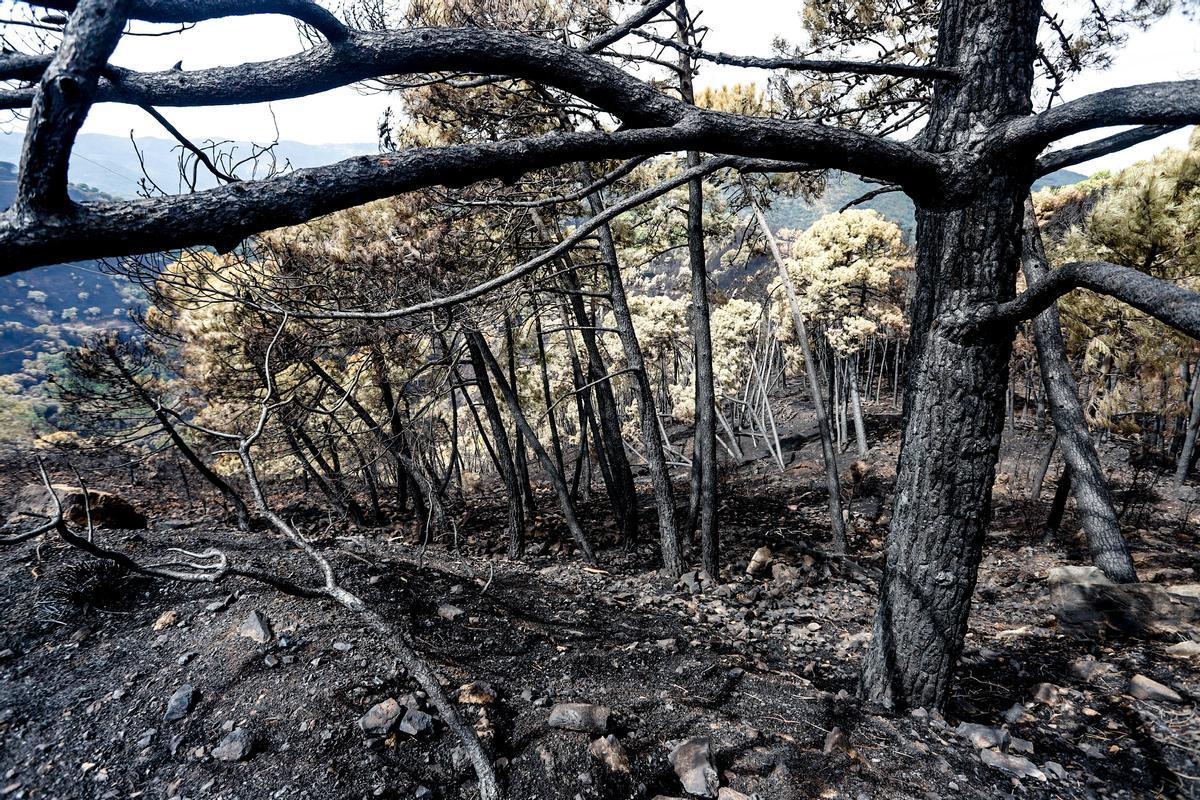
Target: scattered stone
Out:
[343,647]
[836,741]
[1046,693]
[423,793]
[180,703]
[1188,649]
[222,604]
[147,738]
[378,721]
[416,722]
[608,751]
[690,580]
[271,661]
[730,794]
[237,746]
[692,761]
[1015,714]
[257,628]
[580,717]
[1017,766]
[449,612]
[983,736]
[759,561]
[1085,602]
[1086,669]
[1144,688]
[476,693]
[166,620]
[1055,769]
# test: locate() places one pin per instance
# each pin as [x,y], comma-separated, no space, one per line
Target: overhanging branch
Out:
[1061,159]
[1170,304]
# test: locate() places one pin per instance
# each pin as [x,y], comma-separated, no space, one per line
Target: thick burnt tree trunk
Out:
[956,383]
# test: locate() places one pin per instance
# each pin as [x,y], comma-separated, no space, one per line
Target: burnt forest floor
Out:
[762,665]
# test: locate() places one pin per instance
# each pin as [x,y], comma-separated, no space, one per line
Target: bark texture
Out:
[954,395]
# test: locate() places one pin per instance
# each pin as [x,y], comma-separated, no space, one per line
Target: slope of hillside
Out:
[843,188]
[43,311]
[110,163]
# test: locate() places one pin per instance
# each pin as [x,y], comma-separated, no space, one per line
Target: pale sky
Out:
[1168,51]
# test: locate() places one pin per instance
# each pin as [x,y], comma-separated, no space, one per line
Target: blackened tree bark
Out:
[1058,506]
[520,459]
[556,479]
[954,396]
[503,454]
[610,447]
[181,444]
[1093,500]
[833,483]
[656,460]
[704,452]
[555,440]
[1187,453]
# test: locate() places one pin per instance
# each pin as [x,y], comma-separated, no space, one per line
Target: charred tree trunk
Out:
[704,451]
[185,449]
[503,453]
[610,447]
[832,480]
[520,459]
[656,460]
[1186,454]
[956,383]
[1093,500]
[556,479]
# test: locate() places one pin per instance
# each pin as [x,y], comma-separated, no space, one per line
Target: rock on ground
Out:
[257,628]
[180,703]
[378,721]
[1144,688]
[580,717]
[692,760]
[237,746]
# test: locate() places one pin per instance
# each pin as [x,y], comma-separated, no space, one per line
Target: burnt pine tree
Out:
[969,173]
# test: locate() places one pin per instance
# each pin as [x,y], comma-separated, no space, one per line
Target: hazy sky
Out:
[1169,50]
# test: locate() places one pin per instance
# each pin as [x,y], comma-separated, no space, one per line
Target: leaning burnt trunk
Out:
[1093,501]
[967,256]
[503,452]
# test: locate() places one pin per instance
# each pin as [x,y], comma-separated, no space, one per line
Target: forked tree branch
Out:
[1171,103]
[825,66]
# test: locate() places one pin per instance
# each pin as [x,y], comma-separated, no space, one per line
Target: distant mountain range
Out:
[842,188]
[111,164]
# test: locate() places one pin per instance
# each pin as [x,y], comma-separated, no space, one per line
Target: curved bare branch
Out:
[1168,103]
[185,11]
[1060,159]
[1170,304]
